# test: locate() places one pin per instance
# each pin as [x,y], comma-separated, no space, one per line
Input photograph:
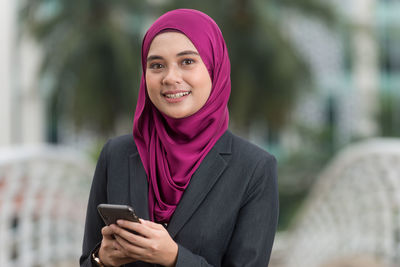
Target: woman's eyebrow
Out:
[183,53]
[187,52]
[150,58]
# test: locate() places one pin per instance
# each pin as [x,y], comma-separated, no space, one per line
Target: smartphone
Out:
[110,213]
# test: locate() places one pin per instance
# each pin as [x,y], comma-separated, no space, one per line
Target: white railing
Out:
[43,198]
[352,212]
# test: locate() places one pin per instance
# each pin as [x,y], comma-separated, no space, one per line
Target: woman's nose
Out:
[172,76]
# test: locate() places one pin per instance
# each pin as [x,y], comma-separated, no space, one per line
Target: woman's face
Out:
[178,82]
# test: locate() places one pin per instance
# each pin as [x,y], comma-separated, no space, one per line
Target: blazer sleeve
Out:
[98,194]
[253,236]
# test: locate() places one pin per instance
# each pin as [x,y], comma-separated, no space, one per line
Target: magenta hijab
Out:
[171,149]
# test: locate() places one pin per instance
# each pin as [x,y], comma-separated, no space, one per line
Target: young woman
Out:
[205,196]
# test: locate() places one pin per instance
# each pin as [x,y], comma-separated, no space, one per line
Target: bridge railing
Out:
[43,198]
[353,211]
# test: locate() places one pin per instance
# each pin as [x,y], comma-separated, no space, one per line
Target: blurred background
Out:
[316,83]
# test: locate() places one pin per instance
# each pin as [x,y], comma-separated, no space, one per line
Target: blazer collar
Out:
[138,187]
[200,184]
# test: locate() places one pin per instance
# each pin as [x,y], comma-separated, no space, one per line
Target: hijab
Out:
[172,149]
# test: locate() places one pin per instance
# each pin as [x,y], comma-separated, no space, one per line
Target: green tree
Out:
[91,58]
[267,72]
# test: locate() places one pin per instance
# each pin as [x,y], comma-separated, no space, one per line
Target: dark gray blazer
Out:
[226,217]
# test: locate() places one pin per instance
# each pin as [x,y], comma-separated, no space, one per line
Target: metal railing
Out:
[43,198]
[352,211]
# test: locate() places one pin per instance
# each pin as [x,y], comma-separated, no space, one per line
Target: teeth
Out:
[177,95]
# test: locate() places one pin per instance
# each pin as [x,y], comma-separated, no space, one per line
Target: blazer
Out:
[227,215]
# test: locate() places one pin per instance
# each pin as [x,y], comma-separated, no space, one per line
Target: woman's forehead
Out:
[170,42]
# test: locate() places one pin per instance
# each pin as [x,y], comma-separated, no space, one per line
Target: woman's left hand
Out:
[152,244]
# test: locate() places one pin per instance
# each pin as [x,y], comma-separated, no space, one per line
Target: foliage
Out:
[267,72]
[289,204]
[299,169]
[90,61]
[91,51]
[389,114]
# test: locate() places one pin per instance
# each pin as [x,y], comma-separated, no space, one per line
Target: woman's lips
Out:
[175,96]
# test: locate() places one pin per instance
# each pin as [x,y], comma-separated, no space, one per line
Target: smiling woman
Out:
[205,196]
[177,80]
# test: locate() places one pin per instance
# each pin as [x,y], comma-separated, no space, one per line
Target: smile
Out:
[178,95]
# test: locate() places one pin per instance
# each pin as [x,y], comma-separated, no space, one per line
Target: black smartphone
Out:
[110,213]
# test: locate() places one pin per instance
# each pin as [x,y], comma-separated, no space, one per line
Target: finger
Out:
[117,246]
[141,229]
[129,248]
[118,251]
[107,232]
[108,244]
[130,237]
[151,224]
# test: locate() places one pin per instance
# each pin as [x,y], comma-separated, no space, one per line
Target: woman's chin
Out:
[178,114]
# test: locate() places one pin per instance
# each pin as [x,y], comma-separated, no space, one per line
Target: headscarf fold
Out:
[172,149]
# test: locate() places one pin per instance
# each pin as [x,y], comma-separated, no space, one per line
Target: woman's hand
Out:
[152,244]
[108,253]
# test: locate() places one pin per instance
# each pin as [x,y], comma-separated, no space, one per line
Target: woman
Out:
[205,196]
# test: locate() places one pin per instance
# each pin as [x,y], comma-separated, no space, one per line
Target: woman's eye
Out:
[187,61]
[155,66]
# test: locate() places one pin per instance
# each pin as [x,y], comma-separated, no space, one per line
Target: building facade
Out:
[356,70]
[22,116]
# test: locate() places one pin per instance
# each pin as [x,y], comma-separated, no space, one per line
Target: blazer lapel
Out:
[138,186]
[201,183]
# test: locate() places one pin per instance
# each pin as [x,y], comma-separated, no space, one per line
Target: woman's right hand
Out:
[108,253]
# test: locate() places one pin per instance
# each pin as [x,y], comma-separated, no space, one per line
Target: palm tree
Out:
[267,72]
[91,58]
